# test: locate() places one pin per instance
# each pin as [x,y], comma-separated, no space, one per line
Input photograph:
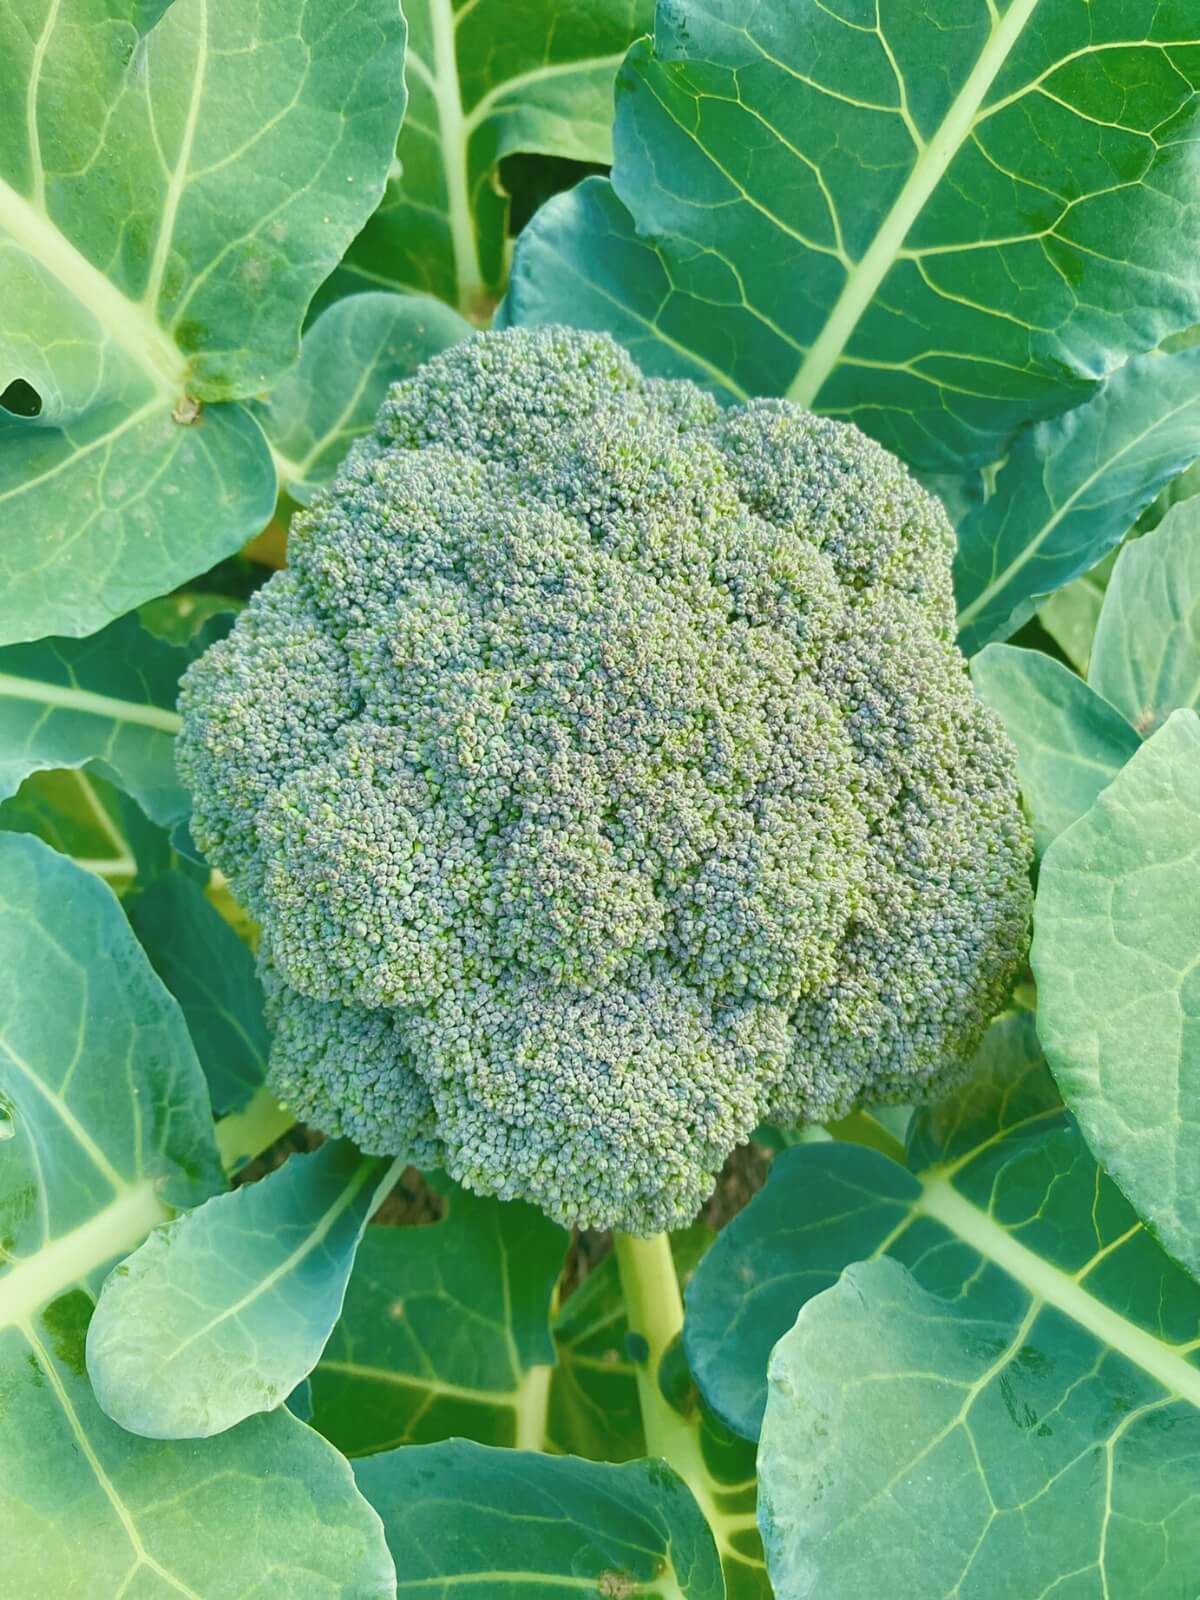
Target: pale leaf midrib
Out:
[447,95]
[121,320]
[64,697]
[453,1581]
[66,1261]
[500,1399]
[929,169]
[943,1203]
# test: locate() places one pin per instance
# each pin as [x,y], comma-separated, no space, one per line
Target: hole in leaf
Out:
[7,1126]
[530,180]
[21,399]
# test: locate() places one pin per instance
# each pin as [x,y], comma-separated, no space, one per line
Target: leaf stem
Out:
[247,1133]
[532,1404]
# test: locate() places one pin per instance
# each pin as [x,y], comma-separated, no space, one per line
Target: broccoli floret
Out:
[606,778]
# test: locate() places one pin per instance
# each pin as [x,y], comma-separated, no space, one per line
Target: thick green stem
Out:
[247,1133]
[654,1307]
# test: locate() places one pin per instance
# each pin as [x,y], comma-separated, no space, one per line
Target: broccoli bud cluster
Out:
[606,779]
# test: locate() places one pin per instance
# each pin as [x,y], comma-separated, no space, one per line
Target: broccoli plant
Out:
[598,824]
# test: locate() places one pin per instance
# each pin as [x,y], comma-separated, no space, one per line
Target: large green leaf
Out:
[106,1129]
[99,1079]
[1071,489]
[1070,742]
[445,1331]
[222,1312]
[487,78]
[999,1392]
[211,972]
[86,1509]
[107,703]
[1116,952]
[169,203]
[465,1521]
[1146,656]
[937,221]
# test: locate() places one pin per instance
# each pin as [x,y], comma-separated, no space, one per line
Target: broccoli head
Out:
[606,779]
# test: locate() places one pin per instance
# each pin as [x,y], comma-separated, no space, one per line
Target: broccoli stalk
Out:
[654,1310]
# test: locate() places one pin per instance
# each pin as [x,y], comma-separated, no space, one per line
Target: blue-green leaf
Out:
[828,1203]
[1004,1397]
[222,1312]
[1146,656]
[487,80]
[170,199]
[74,814]
[1071,489]
[1116,952]
[464,1520]
[104,1128]
[87,1509]
[106,703]
[582,261]
[1070,742]
[211,972]
[445,1331]
[1070,614]
[349,358]
[105,1107]
[940,222]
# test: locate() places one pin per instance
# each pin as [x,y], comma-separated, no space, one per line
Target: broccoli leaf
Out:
[1116,949]
[1146,656]
[992,1383]
[312,416]
[1070,742]
[827,1203]
[170,202]
[107,703]
[594,1409]
[105,1128]
[1070,614]
[445,1331]
[82,1017]
[919,221]
[222,1312]
[464,1520]
[211,973]
[74,814]
[1071,489]
[486,80]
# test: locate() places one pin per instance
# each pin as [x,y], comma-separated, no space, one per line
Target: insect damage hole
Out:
[21,399]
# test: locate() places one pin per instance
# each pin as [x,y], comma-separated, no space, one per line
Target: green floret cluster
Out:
[606,779]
